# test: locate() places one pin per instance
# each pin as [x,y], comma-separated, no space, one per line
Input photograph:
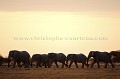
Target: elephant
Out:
[115,53]
[41,59]
[77,58]
[115,56]
[45,60]
[57,57]
[19,57]
[36,58]
[1,60]
[100,57]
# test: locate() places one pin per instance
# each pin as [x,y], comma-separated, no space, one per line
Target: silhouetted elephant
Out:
[116,56]
[18,57]
[77,58]
[57,57]
[1,60]
[36,58]
[41,59]
[100,57]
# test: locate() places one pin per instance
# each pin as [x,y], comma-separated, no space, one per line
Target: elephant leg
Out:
[112,65]
[76,64]
[56,64]
[37,64]
[98,64]
[70,64]
[19,65]
[45,65]
[9,63]
[26,63]
[14,64]
[31,65]
[86,65]
[66,65]
[106,65]
[40,64]
[82,65]
[49,66]
[93,64]
[63,63]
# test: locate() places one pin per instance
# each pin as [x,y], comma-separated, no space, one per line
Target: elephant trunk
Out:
[66,62]
[50,63]
[87,62]
[9,59]
[9,62]
[88,59]
[31,63]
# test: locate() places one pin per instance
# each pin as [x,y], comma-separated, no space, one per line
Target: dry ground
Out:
[60,73]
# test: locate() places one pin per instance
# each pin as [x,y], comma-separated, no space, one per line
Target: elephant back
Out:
[36,57]
[71,56]
[60,57]
[51,55]
[79,57]
[24,53]
[44,57]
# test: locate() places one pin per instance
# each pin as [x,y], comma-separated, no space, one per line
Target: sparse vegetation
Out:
[60,73]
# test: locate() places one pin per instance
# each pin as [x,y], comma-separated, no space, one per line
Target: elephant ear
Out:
[11,54]
[15,53]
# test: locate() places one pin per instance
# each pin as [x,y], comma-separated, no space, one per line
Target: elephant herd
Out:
[22,58]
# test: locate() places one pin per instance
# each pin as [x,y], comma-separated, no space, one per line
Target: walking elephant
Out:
[36,58]
[57,57]
[77,58]
[19,57]
[1,60]
[115,56]
[100,57]
[41,59]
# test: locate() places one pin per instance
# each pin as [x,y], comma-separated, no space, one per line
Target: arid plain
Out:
[61,73]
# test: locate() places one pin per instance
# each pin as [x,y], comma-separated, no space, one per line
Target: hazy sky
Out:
[59,18]
[60,5]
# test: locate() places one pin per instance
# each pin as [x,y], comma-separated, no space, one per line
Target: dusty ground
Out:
[60,73]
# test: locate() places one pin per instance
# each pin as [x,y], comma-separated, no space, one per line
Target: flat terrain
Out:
[60,73]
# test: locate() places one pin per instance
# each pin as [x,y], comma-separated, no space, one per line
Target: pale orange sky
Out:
[61,18]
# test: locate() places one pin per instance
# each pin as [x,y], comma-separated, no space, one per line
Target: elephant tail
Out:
[66,62]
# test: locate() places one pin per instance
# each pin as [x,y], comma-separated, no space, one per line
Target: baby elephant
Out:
[41,59]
